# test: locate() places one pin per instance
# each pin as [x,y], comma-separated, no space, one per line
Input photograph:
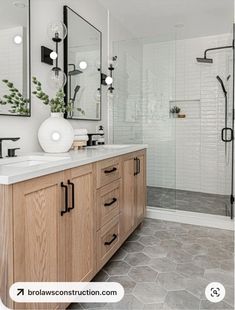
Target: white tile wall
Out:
[192,157]
[183,153]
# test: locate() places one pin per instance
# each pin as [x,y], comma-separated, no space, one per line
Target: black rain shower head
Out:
[205,60]
[74,71]
[210,60]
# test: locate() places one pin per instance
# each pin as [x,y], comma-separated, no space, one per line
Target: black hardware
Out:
[66,199]
[138,166]
[112,240]
[45,55]
[108,204]
[135,164]
[11,152]
[6,139]
[210,60]
[90,135]
[73,195]
[110,171]
[103,78]
[224,134]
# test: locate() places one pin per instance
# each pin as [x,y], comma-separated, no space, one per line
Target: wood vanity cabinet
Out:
[65,226]
[134,192]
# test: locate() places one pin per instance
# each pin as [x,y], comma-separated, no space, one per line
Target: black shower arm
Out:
[217,48]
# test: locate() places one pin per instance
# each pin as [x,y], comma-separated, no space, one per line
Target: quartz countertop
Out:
[12,170]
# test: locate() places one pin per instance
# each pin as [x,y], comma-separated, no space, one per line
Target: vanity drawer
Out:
[108,203]
[108,171]
[108,241]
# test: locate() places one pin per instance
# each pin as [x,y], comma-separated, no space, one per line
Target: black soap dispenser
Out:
[101,140]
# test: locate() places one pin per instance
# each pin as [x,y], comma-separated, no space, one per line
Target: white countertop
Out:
[11,172]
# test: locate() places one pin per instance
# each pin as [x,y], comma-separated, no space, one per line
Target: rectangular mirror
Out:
[82,61]
[15,58]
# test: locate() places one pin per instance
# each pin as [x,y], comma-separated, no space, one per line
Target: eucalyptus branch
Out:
[19,104]
[57,104]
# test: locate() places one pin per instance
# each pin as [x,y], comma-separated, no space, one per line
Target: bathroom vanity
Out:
[63,220]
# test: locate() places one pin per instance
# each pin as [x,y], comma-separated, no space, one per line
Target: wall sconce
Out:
[57,32]
[108,80]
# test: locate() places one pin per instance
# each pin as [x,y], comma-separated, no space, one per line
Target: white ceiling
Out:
[11,16]
[158,18]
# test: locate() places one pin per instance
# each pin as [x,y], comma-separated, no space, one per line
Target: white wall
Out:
[186,153]
[44,12]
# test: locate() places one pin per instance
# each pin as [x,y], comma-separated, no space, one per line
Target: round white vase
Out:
[56,135]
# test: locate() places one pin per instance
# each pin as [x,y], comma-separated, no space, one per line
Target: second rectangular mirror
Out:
[82,61]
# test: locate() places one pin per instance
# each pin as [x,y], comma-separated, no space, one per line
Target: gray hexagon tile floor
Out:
[166,266]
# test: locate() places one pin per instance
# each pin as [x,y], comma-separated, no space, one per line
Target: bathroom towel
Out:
[80,131]
[81,138]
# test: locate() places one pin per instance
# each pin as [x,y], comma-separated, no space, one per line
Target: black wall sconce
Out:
[57,33]
[108,79]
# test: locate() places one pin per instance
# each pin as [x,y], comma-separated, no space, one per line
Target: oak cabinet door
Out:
[128,204]
[81,229]
[39,232]
[140,189]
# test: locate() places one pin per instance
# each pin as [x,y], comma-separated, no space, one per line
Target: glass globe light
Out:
[57,30]
[57,78]
[53,55]
[109,80]
[83,65]
[18,39]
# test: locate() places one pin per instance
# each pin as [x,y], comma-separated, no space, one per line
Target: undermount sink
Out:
[29,161]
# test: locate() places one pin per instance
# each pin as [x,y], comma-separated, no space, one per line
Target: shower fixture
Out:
[76,90]
[74,71]
[210,60]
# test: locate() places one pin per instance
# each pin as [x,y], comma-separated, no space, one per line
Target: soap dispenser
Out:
[101,140]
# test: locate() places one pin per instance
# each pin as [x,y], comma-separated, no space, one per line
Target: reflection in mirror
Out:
[14,58]
[82,65]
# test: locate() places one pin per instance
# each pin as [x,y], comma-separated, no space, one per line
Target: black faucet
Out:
[90,136]
[6,139]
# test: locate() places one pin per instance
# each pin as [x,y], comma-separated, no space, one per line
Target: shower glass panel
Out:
[144,87]
[189,167]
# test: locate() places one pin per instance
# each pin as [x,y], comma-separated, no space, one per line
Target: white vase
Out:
[56,135]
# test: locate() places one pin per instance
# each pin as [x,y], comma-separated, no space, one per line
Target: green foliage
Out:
[19,104]
[175,109]
[57,104]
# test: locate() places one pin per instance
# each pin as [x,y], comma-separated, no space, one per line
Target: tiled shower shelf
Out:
[191,108]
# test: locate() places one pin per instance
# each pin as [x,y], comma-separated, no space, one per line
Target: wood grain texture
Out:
[105,195]
[103,178]
[80,233]
[37,207]
[128,205]
[105,234]
[140,190]
[6,244]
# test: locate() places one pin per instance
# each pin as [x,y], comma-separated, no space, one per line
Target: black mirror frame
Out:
[28,69]
[65,9]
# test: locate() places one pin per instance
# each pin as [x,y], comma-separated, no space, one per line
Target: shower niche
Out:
[82,66]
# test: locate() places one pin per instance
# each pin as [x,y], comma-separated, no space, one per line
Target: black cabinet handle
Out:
[66,199]
[224,134]
[111,241]
[108,204]
[110,171]
[73,195]
[136,169]
[138,166]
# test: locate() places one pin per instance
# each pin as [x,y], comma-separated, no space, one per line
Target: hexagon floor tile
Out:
[167,266]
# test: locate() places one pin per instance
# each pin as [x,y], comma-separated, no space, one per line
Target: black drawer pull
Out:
[73,195]
[111,241]
[108,204]
[110,171]
[66,199]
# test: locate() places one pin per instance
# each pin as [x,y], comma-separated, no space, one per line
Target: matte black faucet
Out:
[6,139]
